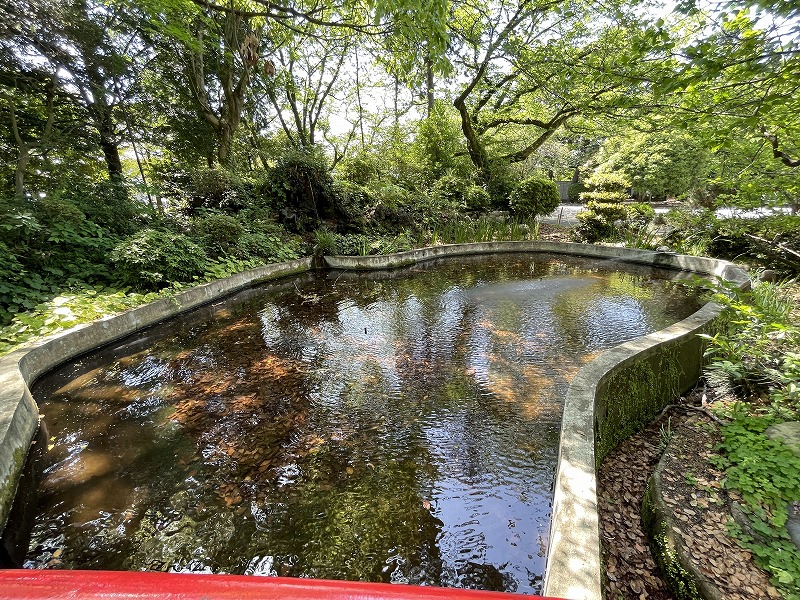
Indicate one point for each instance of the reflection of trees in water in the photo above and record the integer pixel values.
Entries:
(321, 415)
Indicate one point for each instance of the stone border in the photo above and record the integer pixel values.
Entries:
(573, 561)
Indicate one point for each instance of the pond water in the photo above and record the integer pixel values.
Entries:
(396, 426)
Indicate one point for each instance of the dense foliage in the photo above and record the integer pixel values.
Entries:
(756, 357)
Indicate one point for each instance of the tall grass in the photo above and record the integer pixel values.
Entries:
(484, 229)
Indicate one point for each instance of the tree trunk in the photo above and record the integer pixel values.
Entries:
(110, 148)
(429, 84)
(23, 158)
(225, 141)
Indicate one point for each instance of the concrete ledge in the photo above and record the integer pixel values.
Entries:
(592, 410)
(19, 415)
(608, 400)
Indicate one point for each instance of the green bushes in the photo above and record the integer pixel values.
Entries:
(217, 232)
(607, 220)
(269, 247)
(110, 206)
(218, 188)
(501, 180)
(153, 258)
(302, 184)
(477, 199)
(755, 358)
(768, 241)
(534, 197)
(574, 192)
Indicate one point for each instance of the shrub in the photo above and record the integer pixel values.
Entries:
(610, 211)
(216, 187)
(534, 197)
(51, 209)
(362, 169)
(153, 258)
(393, 206)
(501, 180)
(110, 206)
(606, 187)
(640, 214)
(603, 220)
(732, 238)
(217, 232)
(18, 291)
(477, 199)
(303, 182)
(449, 189)
(574, 192)
(352, 205)
(267, 246)
(592, 227)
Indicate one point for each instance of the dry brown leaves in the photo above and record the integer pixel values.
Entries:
(631, 571)
(692, 489)
(691, 486)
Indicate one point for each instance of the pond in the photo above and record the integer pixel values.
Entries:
(397, 426)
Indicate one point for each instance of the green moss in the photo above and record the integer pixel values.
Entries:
(678, 579)
(8, 488)
(633, 395)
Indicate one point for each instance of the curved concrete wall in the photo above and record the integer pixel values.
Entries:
(592, 411)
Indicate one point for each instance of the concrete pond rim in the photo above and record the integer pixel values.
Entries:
(623, 387)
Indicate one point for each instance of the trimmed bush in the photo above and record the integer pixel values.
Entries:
(606, 187)
(477, 199)
(152, 258)
(592, 227)
(610, 211)
(534, 197)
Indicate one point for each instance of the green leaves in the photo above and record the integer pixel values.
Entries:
(766, 473)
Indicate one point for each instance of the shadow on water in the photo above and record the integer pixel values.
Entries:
(396, 426)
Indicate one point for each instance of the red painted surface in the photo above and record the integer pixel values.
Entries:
(18, 584)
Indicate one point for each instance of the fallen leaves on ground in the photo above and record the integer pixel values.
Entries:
(691, 486)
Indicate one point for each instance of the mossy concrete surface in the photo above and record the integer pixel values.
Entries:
(19, 415)
(680, 572)
(608, 400)
(573, 562)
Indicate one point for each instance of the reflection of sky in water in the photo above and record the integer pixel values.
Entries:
(401, 427)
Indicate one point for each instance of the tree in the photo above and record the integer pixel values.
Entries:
(27, 103)
(85, 43)
(737, 74)
(659, 164)
(310, 69)
(220, 52)
(533, 66)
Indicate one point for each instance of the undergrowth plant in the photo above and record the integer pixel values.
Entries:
(766, 474)
(755, 354)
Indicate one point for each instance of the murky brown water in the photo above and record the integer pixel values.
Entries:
(398, 426)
